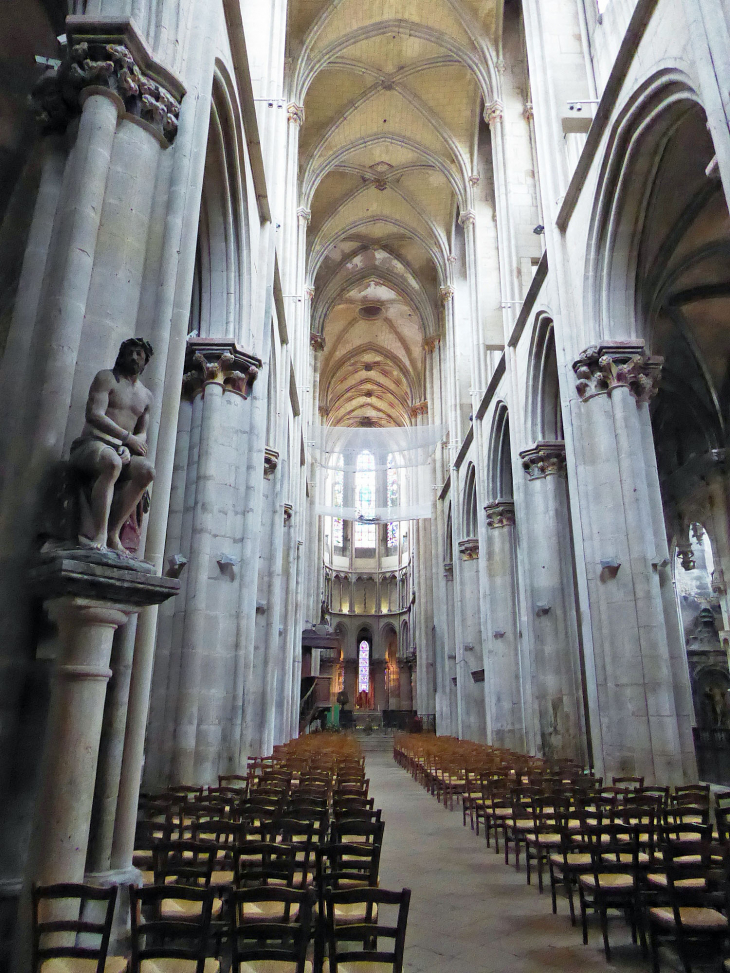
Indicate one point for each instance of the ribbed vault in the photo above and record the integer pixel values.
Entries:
(392, 92)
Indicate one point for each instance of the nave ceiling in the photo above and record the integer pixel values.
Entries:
(392, 92)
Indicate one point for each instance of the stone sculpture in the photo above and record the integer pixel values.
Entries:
(111, 451)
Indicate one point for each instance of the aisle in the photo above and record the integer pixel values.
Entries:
(469, 912)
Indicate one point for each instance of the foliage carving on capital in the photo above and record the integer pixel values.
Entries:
(271, 461)
(469, 549)
(210, 361)
(419, 409)
(446, 294)
(304, 214)
(528, 112)
(493, 113)
(468, 218)
(317, 341)
(543, 459)
(430, 343)
(500, 513)
(601, 369)
(295, 113)
(111, 57)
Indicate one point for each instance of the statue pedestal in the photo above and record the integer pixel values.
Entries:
(88, 598)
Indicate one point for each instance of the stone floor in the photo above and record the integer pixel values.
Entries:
(470, 913)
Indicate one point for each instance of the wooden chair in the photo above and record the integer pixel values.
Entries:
(184, 864)
(181, 945)
(270, 945)
(696, 910)
(613, 882)
(64, 921)
(369, 931)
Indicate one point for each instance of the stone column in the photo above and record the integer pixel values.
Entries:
(88, 600)
(635, 720)
(220, 368)
(500, 644)
(555, 662)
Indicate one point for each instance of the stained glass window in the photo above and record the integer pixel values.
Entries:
(392, 484)
(363, 671)
(365, 499)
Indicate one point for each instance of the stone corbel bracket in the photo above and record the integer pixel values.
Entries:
(110, 55)
(469, 549)
(543, 459)
(601, 369)
(271, 461)
(500, 513)
(221, 362)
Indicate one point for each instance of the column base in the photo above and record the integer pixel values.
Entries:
(119, 941)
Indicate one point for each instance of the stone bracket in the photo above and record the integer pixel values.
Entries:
(219, 361)
(543, 459)
(110, 55)
(59, 575)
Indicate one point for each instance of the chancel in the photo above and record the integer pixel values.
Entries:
(365, 372)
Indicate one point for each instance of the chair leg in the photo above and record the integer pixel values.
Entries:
(604, 929)
(553, 895)
(539, 869)
(583, 915)
(569, 891)
(654, 950)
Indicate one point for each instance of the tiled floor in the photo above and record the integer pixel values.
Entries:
(470, 913)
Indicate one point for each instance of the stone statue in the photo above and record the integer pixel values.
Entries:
(112, 448)
(717, 698)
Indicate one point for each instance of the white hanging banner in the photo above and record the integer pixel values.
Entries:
(375, 476)
(341, 447)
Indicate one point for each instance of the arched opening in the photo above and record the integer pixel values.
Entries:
(219, 306)
(470, 525)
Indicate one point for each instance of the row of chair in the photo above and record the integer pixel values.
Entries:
(658, 855)
(253, 872)
(268, 930)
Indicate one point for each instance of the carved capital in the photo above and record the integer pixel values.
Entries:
(309, 292)
(295, 113)
(446, 294)
(528, 112)
(304, 215)
(419, 409)
(288, 511)
(474, 179)
(316, 341)
(429, 344)
(500, 513)
(543, 459)
(468, 217)
(271, 461)
(469, 549)
(493, 113)
(448, 569)
(110, 56)
(601, 369)
(222, 362)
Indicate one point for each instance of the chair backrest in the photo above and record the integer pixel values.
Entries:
(370, 931)
(187, 862)
(259, 934)
(341, 864)
(263, 862)
(155, 937)
(61, 913)
(357, 830)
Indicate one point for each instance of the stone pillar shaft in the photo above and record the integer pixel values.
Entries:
(635, 729)
(555, 676)
(503, 679)
(70, 265)
(61, 833)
